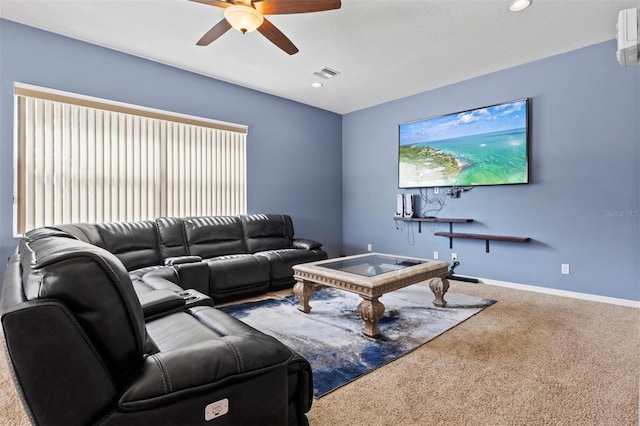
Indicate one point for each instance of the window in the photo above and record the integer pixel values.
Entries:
(81, 159)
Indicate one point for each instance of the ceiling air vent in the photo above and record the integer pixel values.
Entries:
(326, 73)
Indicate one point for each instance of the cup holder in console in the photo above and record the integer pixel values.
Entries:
(189, 296)
(193, 297)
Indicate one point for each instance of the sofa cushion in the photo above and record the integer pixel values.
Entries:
(267, 231)
(237, 275)
(172, 237)
(46, 232)
(86, 232)
(202, 324)
(203, 348)
(212, 236)
(134, 243)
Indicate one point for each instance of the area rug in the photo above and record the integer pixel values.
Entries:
(330, 335)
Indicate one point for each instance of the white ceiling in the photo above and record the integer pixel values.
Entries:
(384, 49)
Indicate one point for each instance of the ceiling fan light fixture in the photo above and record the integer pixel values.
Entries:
(519, 5)
(243, 18)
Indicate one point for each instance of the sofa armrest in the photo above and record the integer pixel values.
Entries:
(305, 244)
(300, 384)
(43, 341)
(194, 276)
(179, 260)
(160, 301)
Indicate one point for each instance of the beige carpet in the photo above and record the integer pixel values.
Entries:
(530, 359)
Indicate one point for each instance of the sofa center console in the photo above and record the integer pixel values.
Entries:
(160, 302)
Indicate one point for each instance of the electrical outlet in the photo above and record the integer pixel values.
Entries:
(369, 247)
(564, 268)
(435, 255)
(454, 257)
(436, 190)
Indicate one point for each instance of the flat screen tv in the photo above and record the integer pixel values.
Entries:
(482, 146)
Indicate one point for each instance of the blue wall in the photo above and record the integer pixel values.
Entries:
(294, 151)
(580, 208)
(337, 176)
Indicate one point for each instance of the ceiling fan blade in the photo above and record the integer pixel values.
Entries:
(215, 32)
(279, 7)
(214, 3)
(276, 37)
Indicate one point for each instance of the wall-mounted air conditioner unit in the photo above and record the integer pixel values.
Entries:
(628, 35)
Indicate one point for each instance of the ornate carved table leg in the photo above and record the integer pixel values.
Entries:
(439, 287)
(303, 291)
(371, 310)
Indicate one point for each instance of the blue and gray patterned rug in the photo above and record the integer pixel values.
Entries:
(330, 335)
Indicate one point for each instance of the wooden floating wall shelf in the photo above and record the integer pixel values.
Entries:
(451, 221)
(486, 238)
(451, 235)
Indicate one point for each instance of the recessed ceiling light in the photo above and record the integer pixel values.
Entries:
(519, 5)
(316, 84)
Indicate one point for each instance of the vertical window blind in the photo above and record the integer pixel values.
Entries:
(82, 159)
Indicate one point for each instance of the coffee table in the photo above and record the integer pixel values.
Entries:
(370, 275)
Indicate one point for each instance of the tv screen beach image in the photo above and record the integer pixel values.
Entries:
(484, 146)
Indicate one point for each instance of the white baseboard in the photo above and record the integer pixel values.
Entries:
(564, 293)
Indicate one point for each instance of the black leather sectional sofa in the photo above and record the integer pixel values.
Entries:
(224, 257)
(114, 323)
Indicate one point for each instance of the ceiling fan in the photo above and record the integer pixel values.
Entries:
(248, 15)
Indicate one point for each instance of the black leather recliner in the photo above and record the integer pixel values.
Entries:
(81, 352)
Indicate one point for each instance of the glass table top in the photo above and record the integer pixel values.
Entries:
(372, 265)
